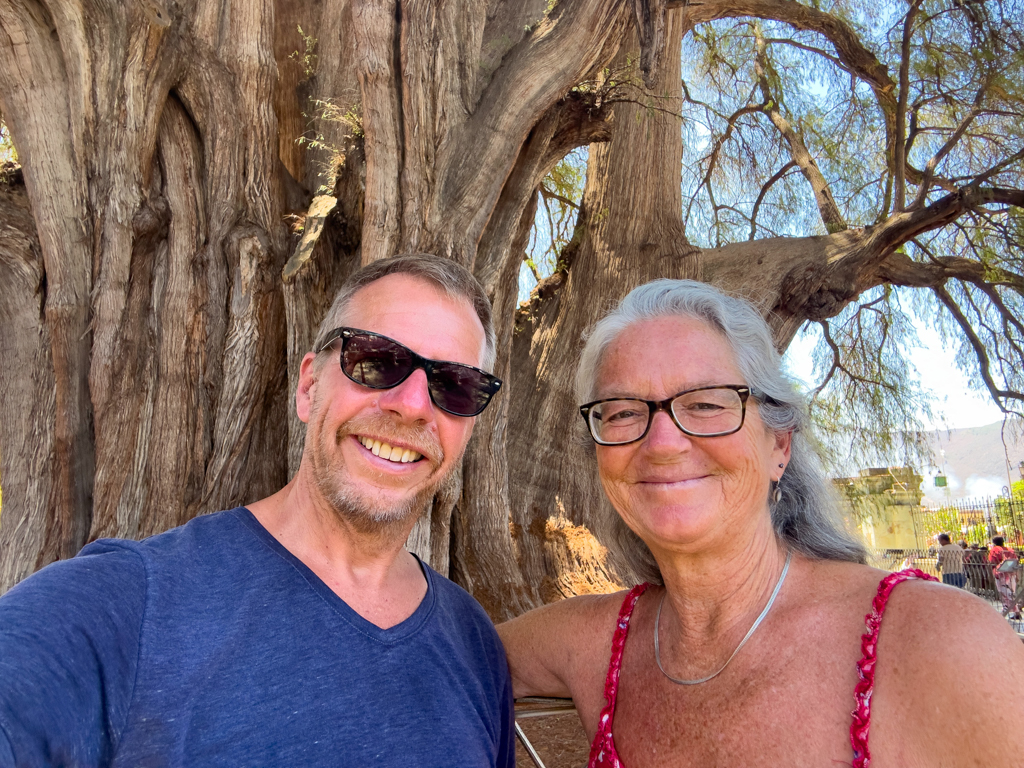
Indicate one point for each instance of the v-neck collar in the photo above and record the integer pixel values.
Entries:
(389, 636)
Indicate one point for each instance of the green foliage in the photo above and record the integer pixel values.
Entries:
(559, 197)
(332, 156)
(964, 125)
(869, 401)
(979, 522)
(8, 154)
(306, 57)
(950, 520)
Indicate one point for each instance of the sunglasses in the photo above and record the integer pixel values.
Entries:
(378, 362)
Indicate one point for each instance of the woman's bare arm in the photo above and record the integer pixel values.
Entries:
(555, 649)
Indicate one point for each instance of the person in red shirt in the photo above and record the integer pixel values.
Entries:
(1006, 580)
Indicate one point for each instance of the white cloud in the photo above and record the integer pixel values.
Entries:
(983, 486)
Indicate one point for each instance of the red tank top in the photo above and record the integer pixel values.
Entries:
(602, 750)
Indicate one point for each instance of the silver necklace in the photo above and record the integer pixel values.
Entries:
(757, 623)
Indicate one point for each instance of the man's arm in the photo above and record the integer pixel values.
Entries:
(69, 646)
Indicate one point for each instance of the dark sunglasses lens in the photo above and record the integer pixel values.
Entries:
(374, 361)
(459, 389)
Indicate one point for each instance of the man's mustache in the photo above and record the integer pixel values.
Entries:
(379, 426)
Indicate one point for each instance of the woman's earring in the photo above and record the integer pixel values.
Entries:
(777, 493)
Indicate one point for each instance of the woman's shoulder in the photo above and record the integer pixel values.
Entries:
(943, 652)
(918, 606)
(950, 626)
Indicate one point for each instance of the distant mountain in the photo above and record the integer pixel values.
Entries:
(975, 461)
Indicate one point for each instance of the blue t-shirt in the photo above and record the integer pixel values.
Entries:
(211, 644)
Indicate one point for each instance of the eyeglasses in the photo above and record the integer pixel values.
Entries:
(701, 412)
(378, 362)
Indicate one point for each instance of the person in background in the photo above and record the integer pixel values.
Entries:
(976, 569)
(1000, 557)
(951, 562)
(745, 642)
(990, 582)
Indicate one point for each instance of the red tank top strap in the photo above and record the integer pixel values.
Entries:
(866, 666)
(602, 749)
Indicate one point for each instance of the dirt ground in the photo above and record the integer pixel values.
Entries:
(559, 740)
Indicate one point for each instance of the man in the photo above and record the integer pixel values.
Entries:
(974, 568)
(951, 562)
(298, 630)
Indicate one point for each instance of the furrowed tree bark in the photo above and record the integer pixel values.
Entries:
(27, 390)
(160, 230)
(550, 462)
(31, 63)
(200, 176)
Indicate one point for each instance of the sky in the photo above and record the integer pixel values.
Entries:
(956, 405)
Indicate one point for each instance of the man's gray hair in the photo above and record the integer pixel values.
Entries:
(451, 278)
(807, 517)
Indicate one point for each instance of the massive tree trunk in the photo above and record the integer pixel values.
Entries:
(175, 243)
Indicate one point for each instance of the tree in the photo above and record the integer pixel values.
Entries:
(200, 175)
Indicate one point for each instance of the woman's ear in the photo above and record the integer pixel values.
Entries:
(782, 452)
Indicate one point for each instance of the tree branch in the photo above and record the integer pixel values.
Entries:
(946, 148)
(810, 49)
(582, 120)
(984, 362)
(716, 150)
(854, 55)
(831, 216)
(900, 269)
(533, 76)
(903, 227)
(548, 194)
(764, 191)
(836, 358)
(900, 157)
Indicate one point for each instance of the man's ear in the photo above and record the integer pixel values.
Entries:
(304, 392)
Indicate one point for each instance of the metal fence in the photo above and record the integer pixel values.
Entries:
(980, 580)
(974, 521)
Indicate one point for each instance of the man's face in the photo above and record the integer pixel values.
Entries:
(351, 427)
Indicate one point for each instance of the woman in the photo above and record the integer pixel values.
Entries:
(1006, 580)
(744, 649)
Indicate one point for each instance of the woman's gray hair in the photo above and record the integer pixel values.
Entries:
(807, 517)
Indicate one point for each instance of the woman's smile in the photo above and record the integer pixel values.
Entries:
(671, 486)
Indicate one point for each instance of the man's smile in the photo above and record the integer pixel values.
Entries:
(393, 453)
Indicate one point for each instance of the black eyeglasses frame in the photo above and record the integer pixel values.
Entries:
(653, 406)
(491, 383)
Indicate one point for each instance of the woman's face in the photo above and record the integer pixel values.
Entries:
(675, 491)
